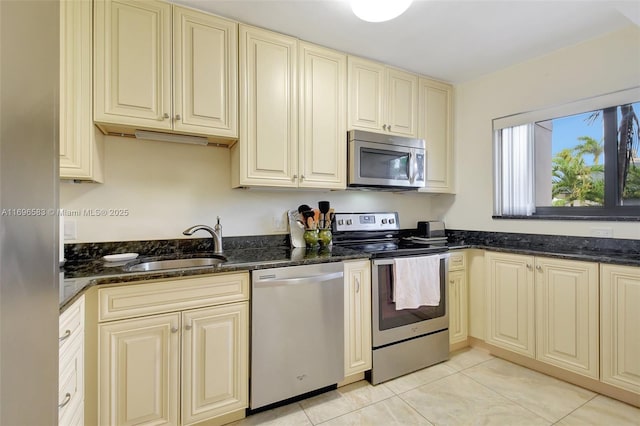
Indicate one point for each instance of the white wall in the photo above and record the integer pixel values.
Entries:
(168, 187)
(592, 68)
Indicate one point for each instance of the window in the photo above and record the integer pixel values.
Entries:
(559, 163)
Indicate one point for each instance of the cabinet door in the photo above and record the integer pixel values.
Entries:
(435, 127)
(401, 107)
(323, 127)
(457, 306)
(619, 319)
(366, 94)
(138, 371)
(133, 63)
(215, 362)
(357, 314)
(205, 55)
(567, 315)
(510, 302)
(268, 145)
(81, 143)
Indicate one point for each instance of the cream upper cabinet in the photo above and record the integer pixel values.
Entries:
(458, 304)
(205, 73)
(357, 314)
(567, 315)
(174, 352)
(322, 86)
(81, 143)
(166, 68)
(381, 98)
(267, 152)
(619, 320)
(435, 116)
(510, 302)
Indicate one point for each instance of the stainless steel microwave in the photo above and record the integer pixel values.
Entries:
(384, 161)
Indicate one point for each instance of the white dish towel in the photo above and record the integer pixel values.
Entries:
(416, 281)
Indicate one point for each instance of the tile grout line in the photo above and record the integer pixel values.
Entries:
(577, 408)
(509, 399)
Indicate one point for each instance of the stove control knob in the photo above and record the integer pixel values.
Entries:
(392, 221)
(340, 222)
(384, 221)
(349, 222)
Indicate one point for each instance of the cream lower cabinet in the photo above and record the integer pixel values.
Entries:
(457, 301)
(357, 314)
(71, 365)
(435, 126)
(180, 363)
(619, 325)
(544, 308)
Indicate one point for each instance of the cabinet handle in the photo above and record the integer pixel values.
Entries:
(67, 398)
(528, 266)
(301, 178)
(174, 329)
(388, 127)
(65, 336)
(178, 117)
(165, 116)
(452, 282)
(294, 177)
(384, 127)
(539, 268)
(188, 327)
(357, 285)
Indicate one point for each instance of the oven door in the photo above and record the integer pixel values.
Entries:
(391, 325)
(377, 164)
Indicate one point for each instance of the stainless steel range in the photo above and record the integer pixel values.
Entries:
(404, 340)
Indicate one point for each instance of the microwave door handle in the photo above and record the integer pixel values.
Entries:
(415, 169)
(410, 167)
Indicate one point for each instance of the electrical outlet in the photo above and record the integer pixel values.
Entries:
(70, 229)
(602, 232)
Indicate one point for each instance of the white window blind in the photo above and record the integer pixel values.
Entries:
(514, 171)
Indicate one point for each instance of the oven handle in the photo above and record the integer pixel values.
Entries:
(389, 260)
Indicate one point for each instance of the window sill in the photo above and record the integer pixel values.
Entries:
(573, 217)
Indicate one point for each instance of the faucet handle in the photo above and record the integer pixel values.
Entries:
(218, 226)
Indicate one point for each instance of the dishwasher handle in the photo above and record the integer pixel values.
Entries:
(311, 279)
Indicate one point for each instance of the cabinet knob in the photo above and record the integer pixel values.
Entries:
(165, 116)
(174, 329)
(294, 177)
(188, 327)
(388, 127)
(452, 282)
(384, 127)
(178, 117)
(301, 178)
(528, 266)
(539, 268)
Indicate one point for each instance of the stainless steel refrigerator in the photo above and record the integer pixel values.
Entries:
(29, 85)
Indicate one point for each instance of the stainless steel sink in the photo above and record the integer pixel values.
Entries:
(160, 265)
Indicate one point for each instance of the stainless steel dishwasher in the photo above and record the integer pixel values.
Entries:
(297, 331)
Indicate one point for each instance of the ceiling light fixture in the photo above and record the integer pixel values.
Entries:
(379, 10)
(168, 137)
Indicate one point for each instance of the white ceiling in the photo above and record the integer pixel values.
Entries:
(451, 40)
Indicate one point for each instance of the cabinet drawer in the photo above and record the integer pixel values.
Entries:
(70, 323)
(457, 260)
(71, 381)
(167, 296)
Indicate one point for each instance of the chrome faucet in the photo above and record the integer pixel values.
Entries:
(216, 234)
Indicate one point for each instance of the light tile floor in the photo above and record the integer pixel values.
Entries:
(473, 387)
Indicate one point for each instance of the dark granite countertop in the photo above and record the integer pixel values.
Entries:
(81, 274)
(248, 253)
